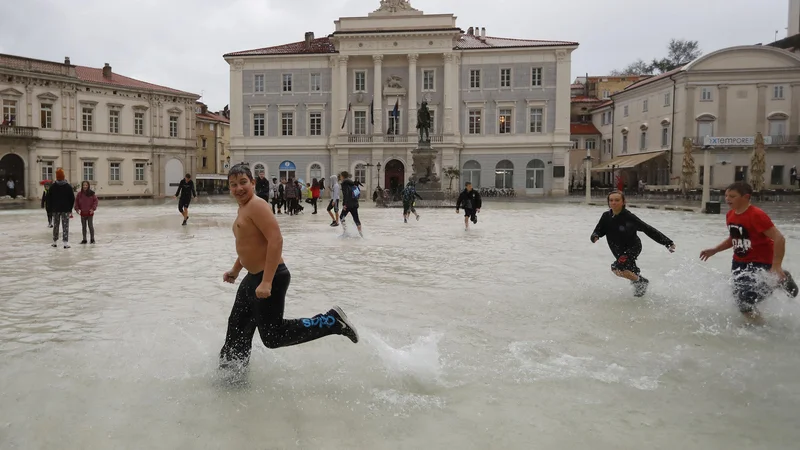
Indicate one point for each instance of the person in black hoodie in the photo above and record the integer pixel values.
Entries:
(262, 187)
(186, 192)
(620, 228)
(46, 204)
(62, 199)
(470, 199)
(350, 194)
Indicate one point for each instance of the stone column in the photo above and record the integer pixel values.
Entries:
(690, 124)
(28, 108)
(761, 110)
(377, 94)
(31, 175)
(342, 94)
(411, 107)
(794, 118)
(455, 97)
(448, 93)
(722, 120)
(562, 99)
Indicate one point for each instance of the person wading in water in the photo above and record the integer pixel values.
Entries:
(261, 297)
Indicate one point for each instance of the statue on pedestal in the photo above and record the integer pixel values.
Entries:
(424, 122)
(395, 6)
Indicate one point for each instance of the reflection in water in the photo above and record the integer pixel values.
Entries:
(512, 333)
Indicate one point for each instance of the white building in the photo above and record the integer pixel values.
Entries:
(500, 106)
(733, 92)
(127, 137)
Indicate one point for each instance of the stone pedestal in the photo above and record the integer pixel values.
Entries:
(424, 173)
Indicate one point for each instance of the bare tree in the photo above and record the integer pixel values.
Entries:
(679, 53)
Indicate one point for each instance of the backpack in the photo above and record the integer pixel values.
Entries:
(356, 192)
(408, 194)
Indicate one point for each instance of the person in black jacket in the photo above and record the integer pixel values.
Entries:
(46, 204)
(620, 226)
(350, 194)
(62, 199)
(470, 199)
(262, 187)
(187, 193)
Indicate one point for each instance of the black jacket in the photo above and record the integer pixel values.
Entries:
(46, 201)
(262, 187)
(469, 200)
(62, 197)
(186, 190)
(620, 232)
(348, 199)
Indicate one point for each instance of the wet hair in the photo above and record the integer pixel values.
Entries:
(188, 175)
(315, 183)
(741, 187)
(240, 169)
(620, 193)
(345, 174)
(468, 183)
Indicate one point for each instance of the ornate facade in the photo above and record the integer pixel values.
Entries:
(348, 101)
(127, 137)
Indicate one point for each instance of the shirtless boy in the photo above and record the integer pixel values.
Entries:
(261, 296)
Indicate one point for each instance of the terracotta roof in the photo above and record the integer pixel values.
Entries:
(652, 79)
(619, 77)
(583, 128)
(471, 42)
(603, 105)
(318, 46)
(577, 85)
(214, 117)
(585, 100)
(93, 75)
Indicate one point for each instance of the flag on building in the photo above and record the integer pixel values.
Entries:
(346, 114)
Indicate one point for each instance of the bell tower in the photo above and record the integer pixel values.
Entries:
(794, 18)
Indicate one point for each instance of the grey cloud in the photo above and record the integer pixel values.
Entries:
(180, 43)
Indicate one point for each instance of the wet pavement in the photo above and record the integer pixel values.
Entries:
(513, 335)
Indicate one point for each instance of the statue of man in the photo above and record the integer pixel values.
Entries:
(424, 122)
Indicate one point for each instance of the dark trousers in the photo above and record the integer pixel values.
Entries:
(354, 213)
(61, 218)
(250, 313)
(87, 221)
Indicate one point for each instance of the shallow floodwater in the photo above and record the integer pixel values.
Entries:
(514, 335)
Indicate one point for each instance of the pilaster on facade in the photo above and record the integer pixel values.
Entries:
(377, 93)
(342, 91)
(412, 93)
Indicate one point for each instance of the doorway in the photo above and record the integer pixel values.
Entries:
(12, 168)
(394, 176)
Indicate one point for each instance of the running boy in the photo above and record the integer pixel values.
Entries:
(261, 296)
(186, 192)
(471, 201)
(758, 247)
(350, 196)
(620, 228)
(409, 199)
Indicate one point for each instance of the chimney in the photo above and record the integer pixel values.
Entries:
(309, 38)
(469, 31)
(204, 108)
(66, 60)
(483, 33)
(107, 71)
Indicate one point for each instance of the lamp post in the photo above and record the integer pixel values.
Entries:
(588, 163)
(706, 177)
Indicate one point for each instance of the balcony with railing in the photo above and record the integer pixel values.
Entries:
(769, 141)
(389, 139)
(16, 132)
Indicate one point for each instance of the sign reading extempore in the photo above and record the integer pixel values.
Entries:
(734, 141)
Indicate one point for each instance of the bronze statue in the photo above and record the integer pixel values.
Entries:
(424, 122)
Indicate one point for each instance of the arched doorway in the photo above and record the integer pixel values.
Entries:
(173, 174)
(12, 168)
(394, 176)
(286, 170)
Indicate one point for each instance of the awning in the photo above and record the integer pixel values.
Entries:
(627, 161)
(210, 176)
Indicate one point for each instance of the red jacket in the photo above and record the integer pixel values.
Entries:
(315, 192)
(85, 204)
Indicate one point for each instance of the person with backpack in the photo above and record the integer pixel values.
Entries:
(409, 199)
(291, 196)
(351, 192)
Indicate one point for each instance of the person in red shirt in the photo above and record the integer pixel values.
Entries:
(758, 247)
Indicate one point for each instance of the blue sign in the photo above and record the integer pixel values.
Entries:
(287, 165)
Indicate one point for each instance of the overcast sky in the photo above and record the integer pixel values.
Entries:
(180, 43)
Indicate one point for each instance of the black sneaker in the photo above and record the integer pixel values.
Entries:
(184, 222)
(789, 285)
(54, 244)
(640, 286)
(334, 224)
(348, 330)
(474, 219)
(92, 241)
(83, 242)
